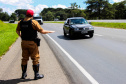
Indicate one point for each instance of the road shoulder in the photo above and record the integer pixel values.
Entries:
(10, 69)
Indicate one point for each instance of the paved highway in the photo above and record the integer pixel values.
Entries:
(103, 56)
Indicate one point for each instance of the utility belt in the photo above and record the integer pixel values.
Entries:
(36, 40)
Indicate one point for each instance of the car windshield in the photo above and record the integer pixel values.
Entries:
(37, 17)
(78, 21)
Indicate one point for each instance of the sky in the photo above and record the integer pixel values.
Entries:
(37, 6)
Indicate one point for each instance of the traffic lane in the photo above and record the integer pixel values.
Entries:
(103, 63)
(99, 32)
(111, 33)
(103, 58)
(106, 65)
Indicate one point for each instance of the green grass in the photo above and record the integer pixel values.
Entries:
(110, 25)
(99, 24)
(7, 36)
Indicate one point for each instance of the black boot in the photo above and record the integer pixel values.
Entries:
(36, 72)
(24, 74)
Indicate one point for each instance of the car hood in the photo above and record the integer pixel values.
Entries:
(81, 25)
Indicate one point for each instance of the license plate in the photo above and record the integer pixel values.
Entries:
(83, 31)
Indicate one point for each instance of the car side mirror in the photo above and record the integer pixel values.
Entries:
(89, 22)
(66, 24)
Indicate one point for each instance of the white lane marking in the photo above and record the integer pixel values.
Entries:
(90, 78)
(98, 35)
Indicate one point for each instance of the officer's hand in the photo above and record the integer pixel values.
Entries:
(51, 31)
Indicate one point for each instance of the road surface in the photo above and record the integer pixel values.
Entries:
(103, 56)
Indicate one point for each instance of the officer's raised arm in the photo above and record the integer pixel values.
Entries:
(46, 31)
(38, 27)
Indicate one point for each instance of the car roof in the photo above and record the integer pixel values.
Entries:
(76, 18)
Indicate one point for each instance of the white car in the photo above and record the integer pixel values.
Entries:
(39, 19)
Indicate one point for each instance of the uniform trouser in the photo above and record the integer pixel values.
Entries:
(30, 49)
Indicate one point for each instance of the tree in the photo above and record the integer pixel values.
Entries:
(1, 15)
(13, 16)
(5, 17)
(82, 14)
(21, 16)
(108, 12)
(58, 17)
(1, 10)
(49, 16)
(18, 12)
(95, 7)
(62, 15)
(74, 5)
(120, 10)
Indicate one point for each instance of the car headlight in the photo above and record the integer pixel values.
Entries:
(91, 28)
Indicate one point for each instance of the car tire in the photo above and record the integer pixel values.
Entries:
(91, 35)
(64, 33)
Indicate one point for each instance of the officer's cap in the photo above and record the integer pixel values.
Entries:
(29, 13)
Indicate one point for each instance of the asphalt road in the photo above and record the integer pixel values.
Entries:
(103, 56)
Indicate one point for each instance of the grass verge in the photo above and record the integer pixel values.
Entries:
(7, 36)
(99, 24)
(110, 25)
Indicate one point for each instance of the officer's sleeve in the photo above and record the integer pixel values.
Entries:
(36, 26)
(18, 27)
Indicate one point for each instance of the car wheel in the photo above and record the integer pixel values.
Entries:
(91, 35)
(64, 33)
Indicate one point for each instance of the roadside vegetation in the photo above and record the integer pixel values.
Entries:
(99, 24)
(110, 25)
(98, 9)
(7, 36)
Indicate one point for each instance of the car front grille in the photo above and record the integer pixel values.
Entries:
(84, 29)
(80, 28)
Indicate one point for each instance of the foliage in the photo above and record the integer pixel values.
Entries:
(74, 6)
(20, 11)
(108, 12)
(21, 16)
(1, 10)
(111, 25)
(49, 16)
(120, 10)
(13, 16)
(61, 14)
(95, 7)
(4, 16)
(102, 9)
(7, 36)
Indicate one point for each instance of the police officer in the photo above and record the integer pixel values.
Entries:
(27, 29)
